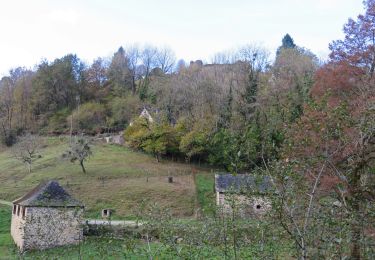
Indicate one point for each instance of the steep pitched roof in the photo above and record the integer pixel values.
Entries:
(242, 183)
(146, 115)
(48, 194)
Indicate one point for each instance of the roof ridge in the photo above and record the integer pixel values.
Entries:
(49, 194)
(226, 182)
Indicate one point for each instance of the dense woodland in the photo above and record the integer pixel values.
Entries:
(234, 109)
(310, 124)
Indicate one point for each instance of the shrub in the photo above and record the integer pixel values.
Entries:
(195, 143)
(156, 138)
(122, 110)
(137, 132)
(8, 137)
(162, 140)
(90, 117)
(57, 122)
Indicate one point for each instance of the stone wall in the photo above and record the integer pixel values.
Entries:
(43, 228)
(17, 226)
(245, 206)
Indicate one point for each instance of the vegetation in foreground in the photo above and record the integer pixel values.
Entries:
(7, 248)
(164, 238)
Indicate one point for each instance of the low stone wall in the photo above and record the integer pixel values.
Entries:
(116, 228)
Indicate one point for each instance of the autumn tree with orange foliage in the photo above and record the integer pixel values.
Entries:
(333, 146)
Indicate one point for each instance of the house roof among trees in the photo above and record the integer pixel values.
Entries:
(146, 115)
(242, 183)
(48, 194)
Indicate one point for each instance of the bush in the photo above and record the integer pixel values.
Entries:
(156, 138)
(223, 149)
(58, 123)
(8, 137)
(90, 117)
(195, 143)
(137, 132)
(162, 140)
(122, 110)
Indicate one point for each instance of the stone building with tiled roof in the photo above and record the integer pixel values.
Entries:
(247, 193)
(46, 217)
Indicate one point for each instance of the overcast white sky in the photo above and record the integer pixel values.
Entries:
(194, 29)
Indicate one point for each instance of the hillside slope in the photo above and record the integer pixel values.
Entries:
(116, 178)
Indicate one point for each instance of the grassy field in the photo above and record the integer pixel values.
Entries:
(205, 193)
(116, 178)
(7, 249)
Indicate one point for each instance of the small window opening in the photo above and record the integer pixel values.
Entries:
(18, 210)
(23, 212)
(14, 209)
(258, 206)
(106, 213)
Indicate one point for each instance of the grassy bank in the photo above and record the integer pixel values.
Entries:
(116, 178)
(7, 249)
(205, 193)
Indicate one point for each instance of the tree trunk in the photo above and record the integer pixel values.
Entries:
(356, 245)
(82, 166)
(355, 253)
(133, 85)
(354, 201)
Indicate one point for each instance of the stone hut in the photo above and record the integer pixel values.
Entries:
(146, 114)
(46, 217)
(248, 194)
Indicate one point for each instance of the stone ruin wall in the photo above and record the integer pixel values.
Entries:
(43, 228)
(254, 206)
(17, 229)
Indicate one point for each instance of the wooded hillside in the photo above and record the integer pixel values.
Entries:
(308, 124)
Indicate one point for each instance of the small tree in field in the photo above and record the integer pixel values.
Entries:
(27, 150)
(79, 150)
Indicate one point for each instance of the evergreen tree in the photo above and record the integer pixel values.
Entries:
(286, 43)
(226, 113)
(119, 73)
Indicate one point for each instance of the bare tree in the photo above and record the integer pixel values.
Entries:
(148, 58)
(133, 54)
(27, 150)
(165, 59)
(79, 150)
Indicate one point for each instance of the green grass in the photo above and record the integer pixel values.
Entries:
(205, 192)
(7, 248)
(131, 247)
(116, 178)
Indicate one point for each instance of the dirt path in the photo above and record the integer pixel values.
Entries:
(5, 202)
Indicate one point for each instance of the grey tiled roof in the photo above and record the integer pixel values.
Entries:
(48, 194)
(242, 183)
